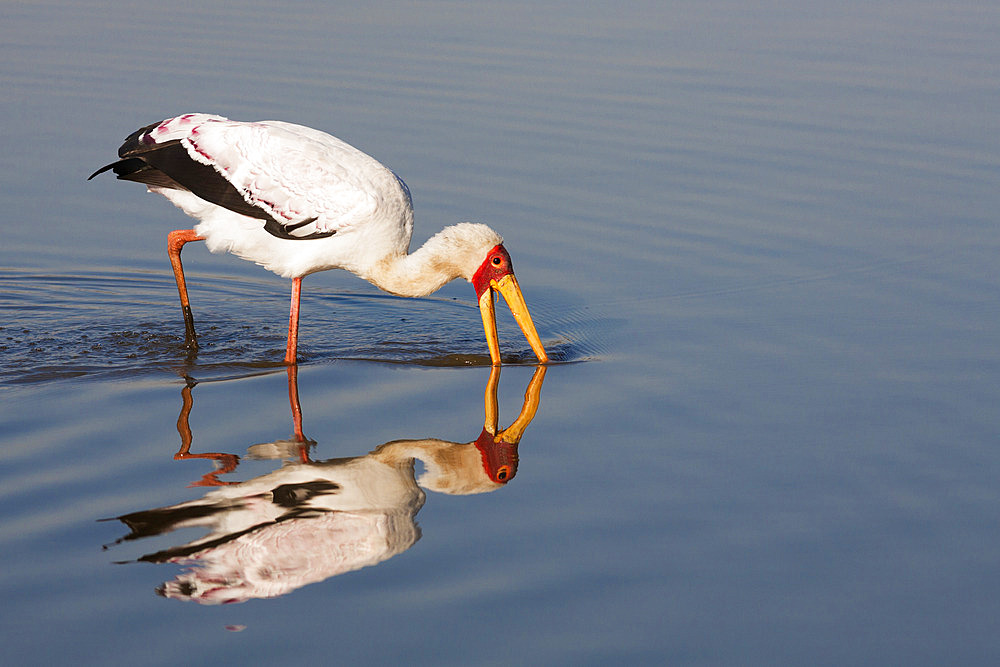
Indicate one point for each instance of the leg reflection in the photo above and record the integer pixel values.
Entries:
(226, 462)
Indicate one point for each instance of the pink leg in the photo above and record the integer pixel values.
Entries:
(175, 242)
(293, 322)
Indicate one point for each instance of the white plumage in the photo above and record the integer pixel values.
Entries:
(293, 173)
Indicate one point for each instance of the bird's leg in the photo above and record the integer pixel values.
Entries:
(293, 322)
(175, 242)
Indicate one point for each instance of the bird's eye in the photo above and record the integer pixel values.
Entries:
(497, 261)
(502, 473)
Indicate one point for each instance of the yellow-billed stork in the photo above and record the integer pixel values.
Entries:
(296, 201)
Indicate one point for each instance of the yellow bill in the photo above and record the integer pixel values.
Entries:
(511, 291)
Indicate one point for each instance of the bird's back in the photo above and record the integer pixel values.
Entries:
(294, 199)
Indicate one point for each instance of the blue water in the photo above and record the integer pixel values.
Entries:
(759, 241)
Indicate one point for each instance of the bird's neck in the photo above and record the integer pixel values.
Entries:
(419, 273)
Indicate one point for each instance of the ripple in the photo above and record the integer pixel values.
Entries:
(97, 323)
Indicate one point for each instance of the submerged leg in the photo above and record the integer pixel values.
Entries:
(293, 322)
(175, 242)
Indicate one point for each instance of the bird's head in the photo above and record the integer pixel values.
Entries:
(496, 274)
(475, 252)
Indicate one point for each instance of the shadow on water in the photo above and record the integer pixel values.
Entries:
(307, 521)
(112, 325)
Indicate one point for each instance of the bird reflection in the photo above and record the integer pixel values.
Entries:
(311, 520)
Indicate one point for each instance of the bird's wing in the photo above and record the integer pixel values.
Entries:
(303, 183)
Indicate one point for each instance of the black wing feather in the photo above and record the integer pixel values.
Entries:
(168, 165)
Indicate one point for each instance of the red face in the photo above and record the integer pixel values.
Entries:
(494, 267)
(499, 457)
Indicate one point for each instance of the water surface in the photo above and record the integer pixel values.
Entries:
(760, 243)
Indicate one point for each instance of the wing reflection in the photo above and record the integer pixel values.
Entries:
(311, 520)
